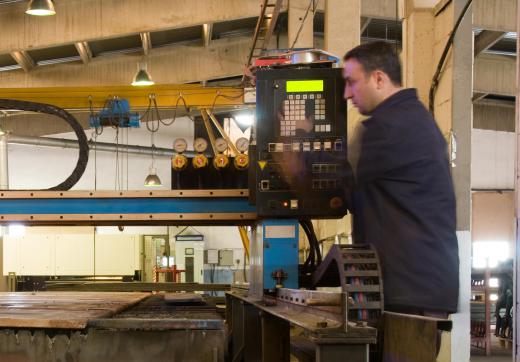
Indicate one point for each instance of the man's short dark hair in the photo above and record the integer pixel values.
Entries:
(378, 55)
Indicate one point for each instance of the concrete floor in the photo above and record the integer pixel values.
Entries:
(498, 353)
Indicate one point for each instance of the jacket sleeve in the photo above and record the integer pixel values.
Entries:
(374, 158)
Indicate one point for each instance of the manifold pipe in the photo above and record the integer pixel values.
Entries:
(4, 173)
(98, 146)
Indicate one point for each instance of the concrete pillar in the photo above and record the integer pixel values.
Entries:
(4, 185)
(461, 124)
(340, 36)
(516, 307)
(426, 30)
(342, 26)
(417, 52)
(303, 38)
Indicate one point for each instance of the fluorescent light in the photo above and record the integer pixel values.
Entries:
(16, 230)
(245, 119)
(490, 253)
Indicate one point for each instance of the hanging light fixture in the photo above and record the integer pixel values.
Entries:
(41, 8)
(152, 180)
(142, 77)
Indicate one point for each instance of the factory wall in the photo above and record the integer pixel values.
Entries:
(33, 167)
(493, 161)
(218, 238)
(493, 221)
(67, 251)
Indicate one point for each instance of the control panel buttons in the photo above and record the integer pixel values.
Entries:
(338, 145)
(327, 145)
(264, 185)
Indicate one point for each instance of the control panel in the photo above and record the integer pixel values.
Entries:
(301, 156)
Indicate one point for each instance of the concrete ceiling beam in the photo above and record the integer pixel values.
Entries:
(84, 51)
(494, 74)
(146, 42)
(486, 39)
(24, 60)
(223, 58)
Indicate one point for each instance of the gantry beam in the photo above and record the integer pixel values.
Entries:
(176, 207)
(165, 95)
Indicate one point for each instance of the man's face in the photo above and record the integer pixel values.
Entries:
(360, 87)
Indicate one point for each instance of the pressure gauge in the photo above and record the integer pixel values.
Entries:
(180, 145)
(200, 144)
(242, 144)
(221, 145)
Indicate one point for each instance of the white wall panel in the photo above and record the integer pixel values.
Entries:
(11, 257)
(493, 159)
(36, 255)
(74, 254)
(115, 254)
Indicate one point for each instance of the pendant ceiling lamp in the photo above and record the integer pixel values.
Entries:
(142, 77)
(41, 8)
(152, 180)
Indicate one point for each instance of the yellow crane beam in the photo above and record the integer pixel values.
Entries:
(167, 96)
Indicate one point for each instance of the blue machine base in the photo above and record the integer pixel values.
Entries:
(280, 248)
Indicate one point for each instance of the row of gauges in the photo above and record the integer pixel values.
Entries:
(220, 161)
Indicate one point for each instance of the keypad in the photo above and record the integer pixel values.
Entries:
(299, 106)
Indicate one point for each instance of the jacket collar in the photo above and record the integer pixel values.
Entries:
(398, 97)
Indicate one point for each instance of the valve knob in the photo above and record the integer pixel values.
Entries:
(220, 161)
(199, 161)
(241, 162)
(179, 162)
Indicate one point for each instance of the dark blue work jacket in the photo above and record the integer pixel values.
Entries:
(404, 204)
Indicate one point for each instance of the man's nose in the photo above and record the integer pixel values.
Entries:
(347, 94)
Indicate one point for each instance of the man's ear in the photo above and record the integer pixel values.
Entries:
(380, 77)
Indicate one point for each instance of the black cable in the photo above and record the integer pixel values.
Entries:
(435, 80)
(309, 230)
(316, 243)
(310, 262)
(81, 164)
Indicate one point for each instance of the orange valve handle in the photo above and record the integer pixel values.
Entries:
(199, 161)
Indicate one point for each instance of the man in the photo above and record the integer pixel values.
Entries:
(403, 202)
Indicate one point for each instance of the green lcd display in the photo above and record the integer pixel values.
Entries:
(299, 86)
